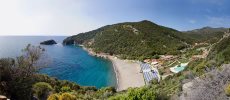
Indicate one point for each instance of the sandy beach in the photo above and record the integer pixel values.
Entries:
(127, 73)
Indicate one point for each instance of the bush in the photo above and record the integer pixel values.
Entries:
(53, 97)
(154, 81)
(143, 93)
(66, 89)
(156, 56)
(42, 90)
(67, 96)
(105, 92)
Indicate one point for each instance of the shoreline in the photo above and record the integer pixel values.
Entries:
(127, 72)
(116, 73)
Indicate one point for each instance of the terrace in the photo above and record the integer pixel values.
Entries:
(149, 73)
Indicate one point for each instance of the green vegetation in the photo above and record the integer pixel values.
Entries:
(221, 52)
(66, 89)
(207, 34)
(218, 55)
(67, 96)
(136, 40)
(155, 91)
(17, 75)
(19, 80)
(140, 40)
(136, 94)
(42, 90)
(62, 96)
(53, 97)
(83, 37)
(191, 52)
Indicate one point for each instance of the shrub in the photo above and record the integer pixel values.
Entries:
(67, 96)
(154, 81)
(66, 89)
(42, 90)
(53, 97)
(156, 56)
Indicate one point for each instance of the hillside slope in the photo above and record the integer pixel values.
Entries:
(133, 40)
(206, 34)
(220, 53)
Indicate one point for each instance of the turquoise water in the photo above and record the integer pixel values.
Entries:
(66, 62)
(179, 68)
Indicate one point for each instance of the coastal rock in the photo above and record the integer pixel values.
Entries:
(48, 42)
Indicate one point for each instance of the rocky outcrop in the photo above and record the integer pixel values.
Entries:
(48, 42)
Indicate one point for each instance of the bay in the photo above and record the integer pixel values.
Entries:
(65, 62)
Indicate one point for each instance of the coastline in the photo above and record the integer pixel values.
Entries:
(127, 71)
(116, 73)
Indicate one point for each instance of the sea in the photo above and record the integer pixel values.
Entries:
(70, 63)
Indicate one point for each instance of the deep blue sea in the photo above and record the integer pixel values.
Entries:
(66, 62)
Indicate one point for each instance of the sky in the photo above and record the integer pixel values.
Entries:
(70, 17)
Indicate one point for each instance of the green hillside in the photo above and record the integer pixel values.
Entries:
(221, 52)
(133, 40)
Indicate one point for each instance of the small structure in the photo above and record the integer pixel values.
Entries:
(149, 73)
(147, 60)
(154, 63)
(167, 57)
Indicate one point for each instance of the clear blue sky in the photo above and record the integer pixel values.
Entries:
(68, 17)
(178, 14)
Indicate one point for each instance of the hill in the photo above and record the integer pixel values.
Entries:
(133, 40)
(220, 53)
(206, 34)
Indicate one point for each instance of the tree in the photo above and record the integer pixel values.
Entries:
(17, 75)
(42, 90)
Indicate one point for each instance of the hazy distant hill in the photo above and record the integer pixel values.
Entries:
(207, 34)
(133, 39)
